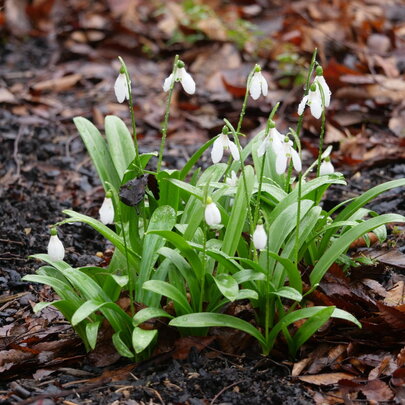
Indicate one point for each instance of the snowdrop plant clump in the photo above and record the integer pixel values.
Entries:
(201, 239)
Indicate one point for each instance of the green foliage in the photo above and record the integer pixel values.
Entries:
(167, 251)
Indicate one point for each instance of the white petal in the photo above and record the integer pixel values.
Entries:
(212, 214)
(234, 150)
(316, 104)
(186, 81)
(232, 180)
(56, 251)
(167, 83)
(259, 237)
(121, 88)
(255, 86)
(326, 168)
(261, 150)
(217, 150)
(107, 211)
(281, 163)
(302, 105)
(325, 88)
(264, 86)
(278, 145)
(274, 133)
(296, 160)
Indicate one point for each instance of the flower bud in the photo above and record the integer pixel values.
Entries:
(107, 211)
(212, 213)
(259, 237)
(56, 251)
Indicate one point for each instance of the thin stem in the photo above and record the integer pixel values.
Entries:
(130, 278)
(204, 261)
(167, 113)
(131, 112)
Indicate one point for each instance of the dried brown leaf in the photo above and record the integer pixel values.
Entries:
(326, 379)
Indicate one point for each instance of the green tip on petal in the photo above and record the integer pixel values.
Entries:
(319, 71)
(313, 87)
(54, 231)
(180, 64)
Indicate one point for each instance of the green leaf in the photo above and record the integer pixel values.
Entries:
(97, 148)
(248, 275)
(208, 319)
(288, 292)
(171, 292)
(120, 346)
(39, 306)
(120, 144)
(309, 328)
(163, 219)
(343, 242)
(92, 333)
(148, 313)
(228, 286)
(142, 338)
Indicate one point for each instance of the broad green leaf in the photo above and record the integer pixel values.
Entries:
(148, 313)
(120, 143)
(120, 346)
(39, 306)
(227, 285)
(142, 338)
(342, 243)
(208, 319)
(171, 292)
(188, 188)
(288, 292)
(248, 275)
(97, 148)
(92, 333)
(169, 194)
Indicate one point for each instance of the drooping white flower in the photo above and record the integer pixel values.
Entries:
(274, 137)
(314, 97)
(326, 167)
(258, 85)
(232, 180)
(121, 88)
(259, 237)
(284, 150)
(222, 143)
(212, 214)
(107, 211)
(183, 77)
(56, 251)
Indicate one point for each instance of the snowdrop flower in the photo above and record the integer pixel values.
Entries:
(326, 167)
(107, 210)
(222, 143)
(232, 180)
(259, 237)
(258, 84)
(121, 87)
(212, 214)
(314, 97)
(56, 251)
(284, 150)
(181, 76)
(274, 137)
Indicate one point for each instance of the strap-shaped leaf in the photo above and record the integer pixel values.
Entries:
(148, 313)
(142, 338)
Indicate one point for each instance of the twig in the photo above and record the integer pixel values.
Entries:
(223, 390)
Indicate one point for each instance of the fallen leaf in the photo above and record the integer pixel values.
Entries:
(396, 295)
(326, 379)
(377, 390)
(58, 84)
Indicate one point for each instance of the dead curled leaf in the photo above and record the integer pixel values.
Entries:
(326, 378)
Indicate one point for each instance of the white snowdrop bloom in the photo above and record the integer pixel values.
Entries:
(258, 85)
(212, 214)
(314, 97)
(259, 237)
(232, 180)
(56, 251)
(107, 211)
(326, 167)
(184, 78)
(220, 144)
(274, 136)
(284, 150)
(121, 88)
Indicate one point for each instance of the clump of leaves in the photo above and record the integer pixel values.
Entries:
(202, 239)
